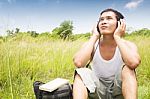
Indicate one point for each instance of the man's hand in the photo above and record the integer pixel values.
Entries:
(120, 31)
(95, 32)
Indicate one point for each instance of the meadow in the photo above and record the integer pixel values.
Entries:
(24, 60)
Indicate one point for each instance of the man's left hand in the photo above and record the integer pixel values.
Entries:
(120, 31)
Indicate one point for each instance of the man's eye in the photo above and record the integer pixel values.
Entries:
(101, 19)
(109, 18)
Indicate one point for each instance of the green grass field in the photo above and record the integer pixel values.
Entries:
(25, 60)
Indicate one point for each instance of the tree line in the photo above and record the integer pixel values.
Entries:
(65, 31)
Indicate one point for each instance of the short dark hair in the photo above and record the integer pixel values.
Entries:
(118, 14)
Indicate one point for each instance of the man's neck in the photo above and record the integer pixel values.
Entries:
(108, 40)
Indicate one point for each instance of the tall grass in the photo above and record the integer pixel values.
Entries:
(22, 61)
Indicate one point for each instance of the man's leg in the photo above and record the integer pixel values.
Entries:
(129, 83)
(79, 89)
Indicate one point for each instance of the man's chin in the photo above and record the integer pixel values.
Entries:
(105, 33)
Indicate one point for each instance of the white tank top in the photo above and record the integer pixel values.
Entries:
(106, 68)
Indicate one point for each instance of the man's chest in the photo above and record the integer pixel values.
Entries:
(107, 53)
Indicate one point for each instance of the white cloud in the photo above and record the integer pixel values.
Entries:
(133, 4)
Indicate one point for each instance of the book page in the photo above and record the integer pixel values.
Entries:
(54, 84)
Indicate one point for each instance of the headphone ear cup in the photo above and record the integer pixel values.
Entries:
(118, 19)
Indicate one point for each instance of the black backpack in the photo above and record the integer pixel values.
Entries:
(64, 92)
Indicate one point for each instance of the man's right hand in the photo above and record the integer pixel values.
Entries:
(95, 32)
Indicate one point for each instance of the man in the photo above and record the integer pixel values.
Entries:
(113, 66)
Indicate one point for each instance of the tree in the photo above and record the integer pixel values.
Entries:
(64, 30)
(10, 32)
(17, 30)
(143, 32)
(33, 33)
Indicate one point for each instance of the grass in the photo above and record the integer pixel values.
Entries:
(25, 60)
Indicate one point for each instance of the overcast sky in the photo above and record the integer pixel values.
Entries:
(45, 15)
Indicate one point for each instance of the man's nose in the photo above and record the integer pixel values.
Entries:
(104, 21)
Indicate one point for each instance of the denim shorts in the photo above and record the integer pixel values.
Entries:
(100, 88)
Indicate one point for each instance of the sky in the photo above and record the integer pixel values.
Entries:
(45, 15)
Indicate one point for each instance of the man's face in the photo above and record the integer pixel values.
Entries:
(108, 22)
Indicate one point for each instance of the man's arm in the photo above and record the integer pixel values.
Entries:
(128, 50)
(81, 58)
(129, 53)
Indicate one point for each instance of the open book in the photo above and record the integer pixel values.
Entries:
(54, 84)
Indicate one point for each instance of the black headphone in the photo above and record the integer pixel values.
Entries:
(98, 27)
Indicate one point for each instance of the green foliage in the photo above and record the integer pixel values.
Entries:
(80, 36)
(33, 33)
(12, 32)
(1, 39)
(47, 37)
(142, 32)
(64, 30)
(17, 30)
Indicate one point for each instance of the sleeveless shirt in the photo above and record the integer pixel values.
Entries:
(107, 69)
